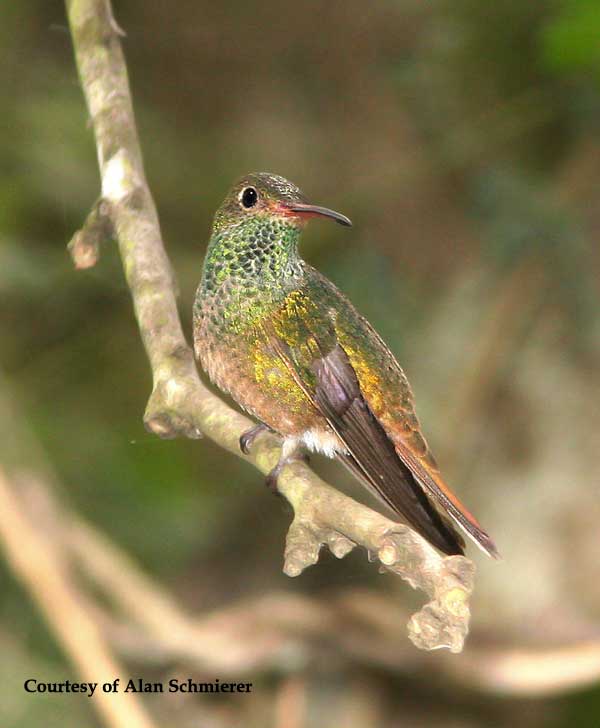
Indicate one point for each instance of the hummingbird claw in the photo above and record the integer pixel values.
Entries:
(250, 435)
(289, 453)
(271, 480)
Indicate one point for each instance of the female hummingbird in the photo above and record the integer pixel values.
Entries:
(293, 351)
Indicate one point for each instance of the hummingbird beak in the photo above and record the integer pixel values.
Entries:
(299, 208)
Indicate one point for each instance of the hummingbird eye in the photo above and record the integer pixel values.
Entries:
(249, 197)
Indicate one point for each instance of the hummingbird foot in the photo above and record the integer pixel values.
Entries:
(290, 452)
(250, 435)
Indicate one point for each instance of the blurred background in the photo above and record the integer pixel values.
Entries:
(462, 139)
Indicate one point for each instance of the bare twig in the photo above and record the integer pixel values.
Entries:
(181, 405)
(43, 573)
(85, 245)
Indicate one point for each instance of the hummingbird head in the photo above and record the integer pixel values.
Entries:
(263, 196)
(255, 236)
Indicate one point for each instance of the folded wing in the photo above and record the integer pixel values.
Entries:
(369, 453)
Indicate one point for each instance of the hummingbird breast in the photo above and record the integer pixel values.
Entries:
(234, 330)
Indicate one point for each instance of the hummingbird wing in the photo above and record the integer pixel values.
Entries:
(354, 382)
(391, 469)
(371, 455)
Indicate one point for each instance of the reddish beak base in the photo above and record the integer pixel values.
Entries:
(304, 211)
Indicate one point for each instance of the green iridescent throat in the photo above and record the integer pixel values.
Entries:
(262, 249)
(251, 264)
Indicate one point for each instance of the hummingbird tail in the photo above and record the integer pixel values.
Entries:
(463, 518)
(398, 490)
(440, 493)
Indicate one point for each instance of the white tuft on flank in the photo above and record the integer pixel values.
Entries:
(324, 442)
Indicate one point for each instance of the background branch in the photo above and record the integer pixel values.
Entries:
(38, 564)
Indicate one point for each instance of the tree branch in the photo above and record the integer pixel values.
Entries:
(38, 563)
(49, 548)
(180, 404)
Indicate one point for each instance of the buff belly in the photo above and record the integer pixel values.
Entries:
(263, 387)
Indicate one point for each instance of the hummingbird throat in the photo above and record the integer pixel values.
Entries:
(251, 265)
(259, 251)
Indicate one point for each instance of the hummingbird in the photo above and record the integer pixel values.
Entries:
(294, 353)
